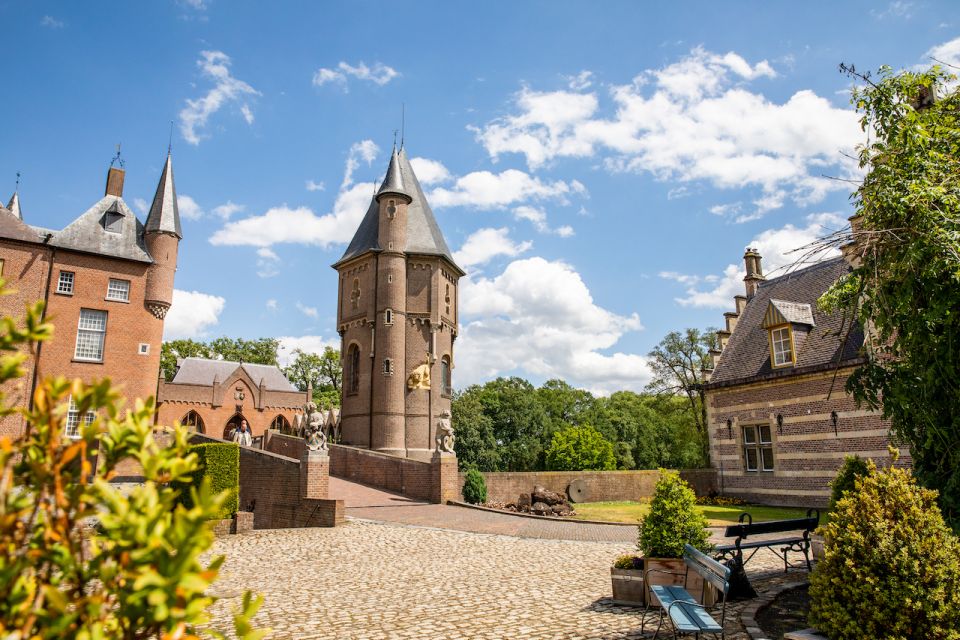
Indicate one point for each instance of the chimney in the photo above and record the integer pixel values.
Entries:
(115, 182)
(754, 272)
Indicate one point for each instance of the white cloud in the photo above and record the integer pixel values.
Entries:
(691, 121)
(227, 209)
(315, 186)
(539, 219)
(379, 74)
(191, 314)
(307, 344)
(268, 262)
(215, 66)
(581, 81)
(429, 171)
(485, 244)
(272, 304)
(365, 150)
(141, 205)
(780, 248)
(545, 312)
(52, 23)
(188, 207)
(896, 9)
(310, 312)
(948, 52)
(486, 190)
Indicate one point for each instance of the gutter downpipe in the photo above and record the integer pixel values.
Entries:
(43, 316)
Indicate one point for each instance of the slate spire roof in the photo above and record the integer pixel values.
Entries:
(164, 214)
(14, 205)
(423, 232)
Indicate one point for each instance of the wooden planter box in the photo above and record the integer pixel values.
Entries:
(627, 586)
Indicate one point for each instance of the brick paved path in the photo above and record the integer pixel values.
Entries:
(387, 580)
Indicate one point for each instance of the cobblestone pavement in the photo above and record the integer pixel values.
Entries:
(369, 580)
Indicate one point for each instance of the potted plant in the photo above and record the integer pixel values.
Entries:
(627, 577)
(673, 522)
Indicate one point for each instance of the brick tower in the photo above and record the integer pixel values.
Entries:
(162, 236)
(397, 318)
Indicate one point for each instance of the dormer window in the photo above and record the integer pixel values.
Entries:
(113, 219)
(781, 346)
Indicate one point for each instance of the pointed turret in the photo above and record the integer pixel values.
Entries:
(393, 182)
(14, 205)
(164, 214)
(162, 236)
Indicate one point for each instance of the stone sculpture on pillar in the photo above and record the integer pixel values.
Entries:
(445, 437)
(313, 427)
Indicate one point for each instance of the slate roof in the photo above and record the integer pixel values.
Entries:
(393, 182)
(747, 354)
(202, 371)
(164, 213)
(423, 232)
(14, 205)
(792, 312)
(87, 233)
(11, 226)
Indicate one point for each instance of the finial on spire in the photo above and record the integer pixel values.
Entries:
(170, 142)
(117, 158)
(395, 131)
(403, 122)
(17, 188)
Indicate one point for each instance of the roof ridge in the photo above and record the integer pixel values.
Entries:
(817, 265)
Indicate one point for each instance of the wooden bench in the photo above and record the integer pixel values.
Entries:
(686, 615)
(780, 546)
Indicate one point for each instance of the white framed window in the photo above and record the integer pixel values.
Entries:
(91, 332)
(65, 283)
(118, 290)
(144, 349)
(757, 448)
(387, 367)
(72, 428)
(781, 346)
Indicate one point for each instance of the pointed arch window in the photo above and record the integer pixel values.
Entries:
(193, 422)
(280, 424)
(353, 369)
(445, 378)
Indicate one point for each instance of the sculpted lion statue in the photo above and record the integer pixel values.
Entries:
(419, 378)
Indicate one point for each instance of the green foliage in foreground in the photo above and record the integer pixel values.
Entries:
(475, 487)
(891, 568)
(673, 520)
(219, 464)
(580, 449)
(853, 467)
(79, 559)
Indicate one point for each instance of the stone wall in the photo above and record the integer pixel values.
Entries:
(436, 481)
(602, 486)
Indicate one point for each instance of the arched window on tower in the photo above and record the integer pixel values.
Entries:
(446, 381)
(192, 421)
(353, 369)
(388, 317)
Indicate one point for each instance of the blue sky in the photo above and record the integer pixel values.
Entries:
(598, 168)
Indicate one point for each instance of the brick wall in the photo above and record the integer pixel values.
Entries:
(436, 481)
(602, 486)
(272, 484)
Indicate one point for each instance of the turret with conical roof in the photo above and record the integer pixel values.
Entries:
(397, 316)
(14, 204)
(162, 236)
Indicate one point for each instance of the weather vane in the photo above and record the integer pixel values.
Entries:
(117, 158)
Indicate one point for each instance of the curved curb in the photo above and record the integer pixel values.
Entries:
(467, 505)
(748, 616)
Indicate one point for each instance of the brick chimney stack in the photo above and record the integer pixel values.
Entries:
(754, 272)
(115, 182)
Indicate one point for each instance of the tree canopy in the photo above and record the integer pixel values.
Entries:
(320, 370)
(256, 351)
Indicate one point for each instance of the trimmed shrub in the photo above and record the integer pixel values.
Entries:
(220, 462)
(673, 520)
(580, 449)
(475, 487)
(853, 467)
(890, 568)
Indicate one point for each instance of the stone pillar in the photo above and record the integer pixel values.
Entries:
(445, 477)
(314, 474)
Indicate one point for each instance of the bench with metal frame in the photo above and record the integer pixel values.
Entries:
(686, 615)
(780, 546)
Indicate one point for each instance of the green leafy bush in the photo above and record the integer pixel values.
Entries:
(853, 467)
(219, 462)
(673, 520)
(891, 566)
(78, 558)
(580, 449)
(628, 561)
(475, 487)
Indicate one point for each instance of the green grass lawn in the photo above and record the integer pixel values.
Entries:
(632, 512)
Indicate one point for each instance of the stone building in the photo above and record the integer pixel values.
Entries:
(397, 318)
(213, 396)
(107, 280)
(780, 421)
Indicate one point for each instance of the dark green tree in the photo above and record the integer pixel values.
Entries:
(171, 351)
(580, 449)
(475, 444)
(321, 370)
(518, 421)
(905, 289)
(258, 351)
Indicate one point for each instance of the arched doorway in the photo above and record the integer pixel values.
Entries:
(232, 424)
(281, 424)
(193, 422)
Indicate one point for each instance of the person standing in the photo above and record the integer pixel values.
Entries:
(242, 436)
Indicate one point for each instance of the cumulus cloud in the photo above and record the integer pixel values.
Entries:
(691, 121)
(310, 312)
(315, 186)
(486, 190)
(272, 304)
(429, 171)
(268, 262)
(365, 150)
(188, 207)
(307, 344)
(214, 66)
(52, 23)
(947, 52)
(379, 74)
(485, 244)
(539, 219)
(545, 312)
(227, 209)
(191, 314)
(581, 81)
(779, 249)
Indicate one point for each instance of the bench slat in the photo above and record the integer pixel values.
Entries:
(697, 619)
(773, 526)
(709, 569)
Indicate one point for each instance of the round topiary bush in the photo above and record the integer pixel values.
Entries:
(673, 520)
(475, 488)
(890, 568)
(853, 467)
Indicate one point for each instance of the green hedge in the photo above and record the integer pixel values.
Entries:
(221, 463)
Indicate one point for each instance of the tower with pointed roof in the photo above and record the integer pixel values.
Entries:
(162, 236)
(397, 318)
